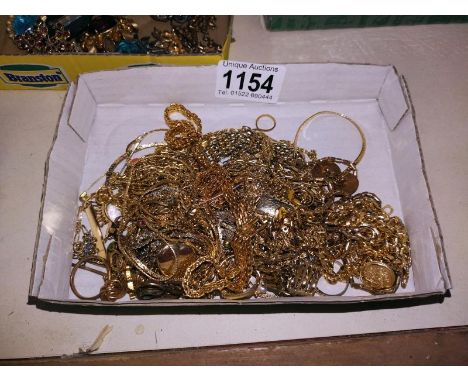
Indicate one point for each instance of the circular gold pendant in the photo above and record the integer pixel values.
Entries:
(326, 169)
(348, 184)
(377, 276)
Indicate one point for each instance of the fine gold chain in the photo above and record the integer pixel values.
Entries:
(235, 214)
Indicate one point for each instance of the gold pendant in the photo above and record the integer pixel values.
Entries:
(377, 277)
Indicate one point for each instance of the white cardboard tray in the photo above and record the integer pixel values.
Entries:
(106, 110)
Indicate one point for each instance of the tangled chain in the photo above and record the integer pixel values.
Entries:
(235, 214)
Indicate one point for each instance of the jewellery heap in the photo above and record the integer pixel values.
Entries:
(235, 214)
(172, 35)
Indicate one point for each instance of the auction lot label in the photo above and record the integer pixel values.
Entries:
(247, 81)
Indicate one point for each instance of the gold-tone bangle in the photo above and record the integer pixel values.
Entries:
(327, 112)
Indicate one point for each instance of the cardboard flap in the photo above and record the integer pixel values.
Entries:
(165, 84)
(442, 259)
(392, 99)
(417, 208)
(55, 282)
(332, 82)
(40, 259)
(60, 199)
(84, 111)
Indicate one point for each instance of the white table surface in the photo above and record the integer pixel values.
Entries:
(434, 60)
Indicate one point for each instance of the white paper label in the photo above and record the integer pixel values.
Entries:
(249, 82)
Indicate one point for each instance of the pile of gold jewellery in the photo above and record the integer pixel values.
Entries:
(235, 214)
(171, 35)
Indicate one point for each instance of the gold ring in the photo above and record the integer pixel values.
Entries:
(269, 116)
(79, 265)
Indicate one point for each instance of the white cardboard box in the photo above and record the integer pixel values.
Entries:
(106, 110)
